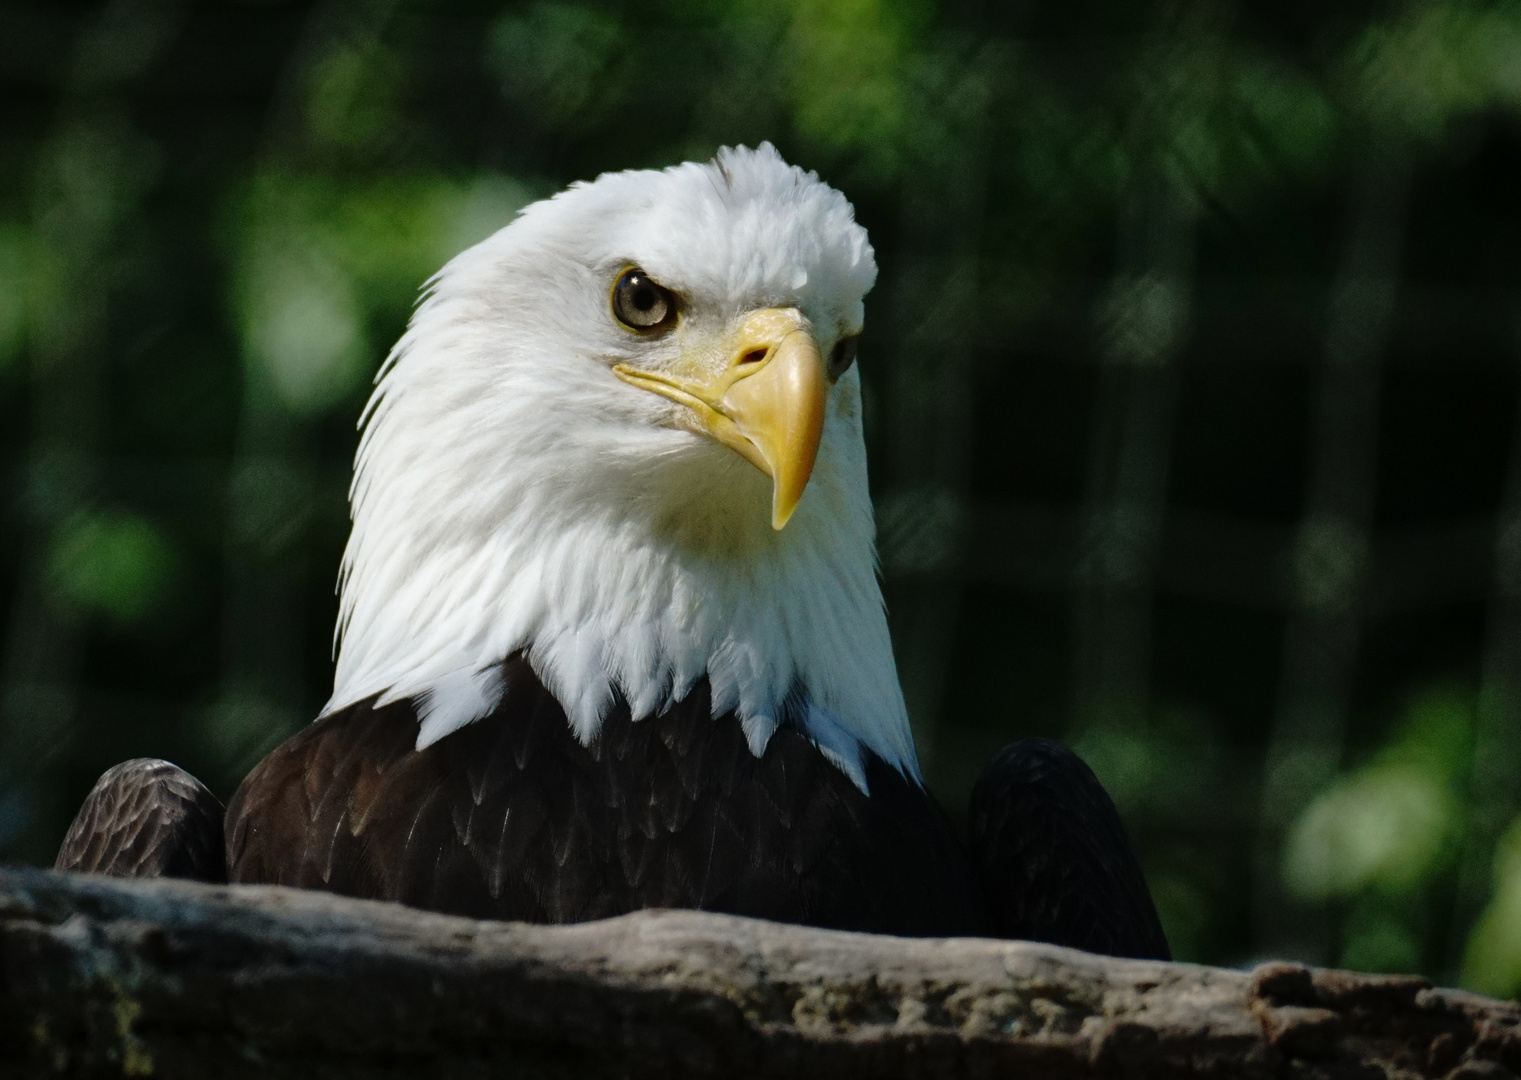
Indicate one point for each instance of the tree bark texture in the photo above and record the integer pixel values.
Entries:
(106, 977)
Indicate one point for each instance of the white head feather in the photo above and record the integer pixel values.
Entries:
(511, 493)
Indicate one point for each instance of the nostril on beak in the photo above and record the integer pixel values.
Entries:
(754, 356)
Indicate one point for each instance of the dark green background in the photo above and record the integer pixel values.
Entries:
(1191, 379)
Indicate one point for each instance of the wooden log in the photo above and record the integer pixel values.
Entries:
(107, 977)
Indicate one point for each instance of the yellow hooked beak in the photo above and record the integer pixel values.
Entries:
(767, 403)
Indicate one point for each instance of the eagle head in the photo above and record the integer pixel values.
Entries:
(622, 436)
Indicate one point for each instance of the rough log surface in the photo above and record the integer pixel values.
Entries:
(108, 977)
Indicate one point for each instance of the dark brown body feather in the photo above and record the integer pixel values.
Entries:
(147, 818)
(512, 818)
(1053, 857)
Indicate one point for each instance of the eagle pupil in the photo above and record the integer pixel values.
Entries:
(644, 299)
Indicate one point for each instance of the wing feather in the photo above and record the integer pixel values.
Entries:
(147, 818)
(1054, 858)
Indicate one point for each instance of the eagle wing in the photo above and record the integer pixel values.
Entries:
(1053, 857)
(147, 818)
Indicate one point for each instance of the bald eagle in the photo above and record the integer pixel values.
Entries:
(611, 634)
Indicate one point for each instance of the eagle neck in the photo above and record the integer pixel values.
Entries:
(609, 602)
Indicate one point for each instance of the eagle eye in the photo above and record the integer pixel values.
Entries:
(640, 304)
(843, 355)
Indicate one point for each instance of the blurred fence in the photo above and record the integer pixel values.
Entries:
(1191, 381)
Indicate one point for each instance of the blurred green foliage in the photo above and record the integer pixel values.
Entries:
(114, 564)
(319, 261)
(1382, 836)
(1492, 960)
(1391, 824)
(1191, 383)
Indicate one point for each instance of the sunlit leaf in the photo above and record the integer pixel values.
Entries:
(320, 263)
(1435, 735)
(1384, 827)
(115, 564)
(848, 70)
(351, 100)
(1414, 74)
(1492, 960)
(303, 328)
